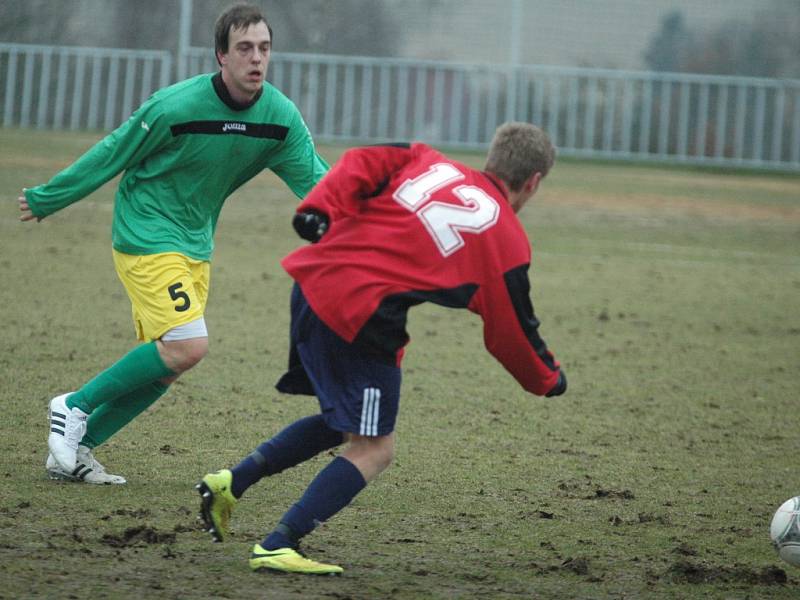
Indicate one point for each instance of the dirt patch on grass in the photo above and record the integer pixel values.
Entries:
(603, 493)
(685, 571)
(134, 536)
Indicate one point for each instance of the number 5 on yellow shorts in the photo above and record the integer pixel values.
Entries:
(166, 290)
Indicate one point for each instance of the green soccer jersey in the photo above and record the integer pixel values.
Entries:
(184, 151)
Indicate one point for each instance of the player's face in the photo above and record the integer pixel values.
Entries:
(244, 66)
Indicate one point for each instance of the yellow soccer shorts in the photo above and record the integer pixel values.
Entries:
(166, 290)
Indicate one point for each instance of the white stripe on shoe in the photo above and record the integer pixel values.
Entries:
(87, 470)
(67, 426)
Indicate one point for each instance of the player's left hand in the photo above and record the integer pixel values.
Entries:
(27, 213)
(310, 225)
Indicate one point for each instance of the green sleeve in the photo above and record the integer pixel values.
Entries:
(299, 165)
(136, 139)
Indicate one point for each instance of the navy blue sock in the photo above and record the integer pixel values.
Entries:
(297, 443)
(332, 489)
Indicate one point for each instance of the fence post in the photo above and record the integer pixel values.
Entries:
(184, 37)
(512, 85)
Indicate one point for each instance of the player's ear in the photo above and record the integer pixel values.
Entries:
(532, 184)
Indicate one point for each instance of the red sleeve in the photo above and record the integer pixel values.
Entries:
(359, 174)
(510, 331)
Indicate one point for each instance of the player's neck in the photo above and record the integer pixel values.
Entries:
(230, 95)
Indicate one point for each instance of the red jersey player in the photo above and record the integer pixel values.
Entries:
(393, 226)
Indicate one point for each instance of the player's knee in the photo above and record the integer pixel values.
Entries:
(385, 460)
(195, 352)
(372, 455)
(382, 451)
(182, 355)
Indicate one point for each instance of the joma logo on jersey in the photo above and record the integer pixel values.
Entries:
(267, 131)
(234, 127)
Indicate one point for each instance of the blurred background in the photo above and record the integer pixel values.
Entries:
(725, 37)
(671, 80)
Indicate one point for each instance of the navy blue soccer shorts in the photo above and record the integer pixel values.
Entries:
(356, 393)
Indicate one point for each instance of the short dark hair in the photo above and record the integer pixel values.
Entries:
(240, 16)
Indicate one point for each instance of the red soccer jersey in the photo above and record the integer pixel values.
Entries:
(408, 225)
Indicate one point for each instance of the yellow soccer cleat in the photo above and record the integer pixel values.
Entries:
(216, 503)
(288, 560)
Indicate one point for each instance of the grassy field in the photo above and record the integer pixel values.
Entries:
(670, 297)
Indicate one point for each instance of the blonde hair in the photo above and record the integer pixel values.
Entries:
(517, 151)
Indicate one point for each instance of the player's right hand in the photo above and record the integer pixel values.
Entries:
(27, 213)
(310, 225)
(560, 387)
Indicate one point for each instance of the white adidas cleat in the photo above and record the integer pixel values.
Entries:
(67, 427)
(88, 470)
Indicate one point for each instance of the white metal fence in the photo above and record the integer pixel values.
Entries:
(69, 87)
(694, 119)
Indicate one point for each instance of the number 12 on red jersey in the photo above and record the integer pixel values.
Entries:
(444, 221)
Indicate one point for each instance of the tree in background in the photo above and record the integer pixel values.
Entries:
(668, 48)
(767, 46)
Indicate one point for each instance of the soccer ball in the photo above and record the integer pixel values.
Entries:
(785, 531)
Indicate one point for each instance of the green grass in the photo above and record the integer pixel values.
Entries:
(670, 297)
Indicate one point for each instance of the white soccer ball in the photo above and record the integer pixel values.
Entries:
(785, 531)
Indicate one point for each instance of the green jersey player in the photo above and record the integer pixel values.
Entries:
(183, 152)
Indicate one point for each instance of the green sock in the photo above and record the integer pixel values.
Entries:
(112, 416)
(141, 365)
